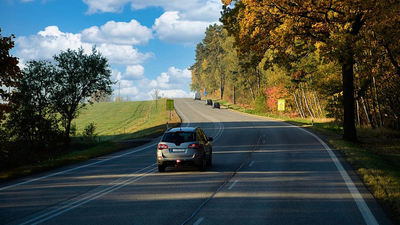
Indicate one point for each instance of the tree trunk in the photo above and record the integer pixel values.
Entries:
(301, 108)
(67, 131)
(317, 106)
(306, 102)
(222, 87)
(377, 102)
(320, 106)
(311, 105)
(349, 127)
(298, 106)
(358, 113)
(374, 108)
(258, 81)
(234, 95)
(251, 89)
(366, 113)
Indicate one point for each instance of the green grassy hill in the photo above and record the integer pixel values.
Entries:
(121, 120)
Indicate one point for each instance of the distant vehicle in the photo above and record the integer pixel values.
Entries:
(184, 146)
(216, 105)
(197, 96)
(209, 102)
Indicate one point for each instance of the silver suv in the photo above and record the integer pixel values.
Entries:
(184, 146)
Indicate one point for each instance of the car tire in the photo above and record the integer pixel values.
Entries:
(209, 161)
(161, 168)
(203, 164)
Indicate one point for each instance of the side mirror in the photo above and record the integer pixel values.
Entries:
(210, 139)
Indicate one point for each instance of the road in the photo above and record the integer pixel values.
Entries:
(264, 172)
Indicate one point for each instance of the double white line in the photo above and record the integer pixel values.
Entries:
(94, 194)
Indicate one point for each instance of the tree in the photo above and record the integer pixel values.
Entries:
(33, 120)
(9, 74)
(338, 26)
(32, 125)
(213, 54)
(78, 77)
(156, 95)
(215, 62)
(101, 97)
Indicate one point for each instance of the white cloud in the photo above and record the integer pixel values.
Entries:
(206, 12)
(115, 75)
(114, 6)
(134, 72)
(125, 84)
(48, 43)
(162, 81)
(182, 23)
(123, 54)
(131, 33)
(174, 78)
(52, 41)
(170, 28)
(179, 74)
(171, 84)
(202, 10)
(174, 93)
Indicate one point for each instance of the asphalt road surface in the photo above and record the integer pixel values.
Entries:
(264, 172)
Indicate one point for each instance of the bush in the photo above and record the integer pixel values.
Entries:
(89, 134)
(261, 105)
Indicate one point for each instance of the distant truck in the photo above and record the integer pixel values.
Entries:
(197, 96)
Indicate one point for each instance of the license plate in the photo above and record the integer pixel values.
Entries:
(178, 150)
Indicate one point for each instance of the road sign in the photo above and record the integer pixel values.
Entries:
(170, 104)
(281, 104)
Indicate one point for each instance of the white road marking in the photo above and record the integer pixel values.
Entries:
(233, 184)
(106, 189)
(199, 221)
(362, 206)
(217, 131)
(76, 168)
(251, 164)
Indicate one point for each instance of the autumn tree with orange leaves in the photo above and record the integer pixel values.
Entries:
(339, 28)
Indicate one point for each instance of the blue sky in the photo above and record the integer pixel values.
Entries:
(149, 43)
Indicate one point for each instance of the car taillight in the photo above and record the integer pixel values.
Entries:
(162, 146)
(197, 145)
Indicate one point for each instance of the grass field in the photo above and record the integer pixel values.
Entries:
(122, 120)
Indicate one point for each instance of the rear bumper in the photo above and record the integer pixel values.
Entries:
(183, 161)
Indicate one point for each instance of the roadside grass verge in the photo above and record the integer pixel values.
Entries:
(132, 122)
(375, 157)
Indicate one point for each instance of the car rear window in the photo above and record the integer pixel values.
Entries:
(179, 137)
